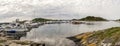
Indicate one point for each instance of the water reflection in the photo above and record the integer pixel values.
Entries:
(55, 34)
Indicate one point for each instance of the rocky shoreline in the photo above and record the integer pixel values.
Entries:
(10, 41)
(107, 37)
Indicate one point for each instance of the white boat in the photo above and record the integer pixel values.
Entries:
(14, 30)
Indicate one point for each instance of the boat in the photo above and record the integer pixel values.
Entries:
(77, 22)
(16, 30)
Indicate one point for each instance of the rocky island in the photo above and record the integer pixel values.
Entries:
(92, 18)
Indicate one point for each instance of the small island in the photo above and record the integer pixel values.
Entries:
(88, 18)
(40, 20)
(92, 18)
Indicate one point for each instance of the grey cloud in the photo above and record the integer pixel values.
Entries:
(59, 9)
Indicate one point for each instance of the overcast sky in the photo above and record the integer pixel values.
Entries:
(58, 9)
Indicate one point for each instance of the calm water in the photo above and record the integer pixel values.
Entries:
(54, 34)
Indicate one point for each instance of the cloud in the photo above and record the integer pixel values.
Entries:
(58, 9)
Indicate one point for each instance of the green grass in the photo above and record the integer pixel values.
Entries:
(111, 33)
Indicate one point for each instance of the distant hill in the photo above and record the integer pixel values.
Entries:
(109, 37)
(92, 18)
(40, 20)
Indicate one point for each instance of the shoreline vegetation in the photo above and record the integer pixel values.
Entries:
(106, 37)
(88, 18)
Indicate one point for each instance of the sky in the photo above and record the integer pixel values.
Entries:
(58, 9)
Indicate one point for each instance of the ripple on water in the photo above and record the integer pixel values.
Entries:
(53, 41)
